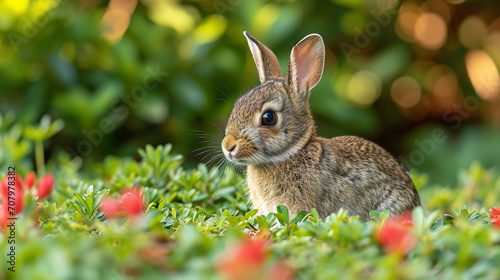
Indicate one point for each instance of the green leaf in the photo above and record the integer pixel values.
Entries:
(90, 204)
(90, 190)
(44, 130)
(430, 220)
(283, 210)
(200, 197)
(464, 212)
(315, 215)
(99, 197)
(171, 197)
(251, 213)
(301, 216)
(174, 213)
(374, 214)
(223, 192)
(438, 223)
(418, 218)
(79, 207)
(281, 218)
(80, 199)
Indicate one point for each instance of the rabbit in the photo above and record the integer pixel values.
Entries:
(271, 132)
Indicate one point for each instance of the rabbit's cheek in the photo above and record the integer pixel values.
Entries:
(267, 134)
(245, 149)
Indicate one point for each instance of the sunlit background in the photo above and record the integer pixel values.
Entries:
(421, 78)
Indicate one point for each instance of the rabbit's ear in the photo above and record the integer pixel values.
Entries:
(265, 60)
(306, 63)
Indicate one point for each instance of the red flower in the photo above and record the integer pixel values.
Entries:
(495, 216)
(280, 271)
(131, 203)
(30, 179)
(404, 219)
(4, 189)
(396, 238)
(5, 185)
(3, 216)
(111, 207)
(16, 194)
(251, 251)
(244, 261)
(247, 261)
(45, 186)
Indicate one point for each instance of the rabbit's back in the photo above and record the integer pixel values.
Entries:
(328, 174)
(359, 152)
(370, 175)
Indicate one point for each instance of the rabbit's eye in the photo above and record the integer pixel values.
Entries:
(269, 118)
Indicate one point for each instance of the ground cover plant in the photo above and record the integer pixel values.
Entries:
(150, 218)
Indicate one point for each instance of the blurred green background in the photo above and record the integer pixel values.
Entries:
(418, 77)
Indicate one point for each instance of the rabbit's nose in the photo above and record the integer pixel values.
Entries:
(229, 143)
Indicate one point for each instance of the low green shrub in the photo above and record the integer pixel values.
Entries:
(153, 219)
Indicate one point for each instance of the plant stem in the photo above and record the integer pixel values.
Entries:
(39, 158)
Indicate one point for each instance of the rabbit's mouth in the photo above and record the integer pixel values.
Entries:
(228, 154)
(239, 151)
(231, 157)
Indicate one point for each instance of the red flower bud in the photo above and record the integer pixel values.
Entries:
(19, 182)
(30, 179)
(3, 216)
(396, 238)
(252, 251)
(495, 216)
(45, 185)
(246, 260)
(4, 189)
(281, 271)
(18, 185)
(404, 219)
(132, 202)
(16, 194)
(111, 207)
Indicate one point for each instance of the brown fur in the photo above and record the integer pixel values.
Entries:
(287, 164)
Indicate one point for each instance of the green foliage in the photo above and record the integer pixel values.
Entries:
(87, 205)
(44, 130)
(193, 216)
(382, 216)
(463, 214)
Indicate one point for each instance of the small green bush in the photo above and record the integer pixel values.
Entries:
(193, 219)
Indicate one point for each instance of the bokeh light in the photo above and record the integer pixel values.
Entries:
(209, 30)
(492, 41)
(406, 92)
(405, 23)
(363, 88)
(13, 8)
(117, 18)
(444, 88)
(430, 31)
(456, 2)
(168, 13)
(472, 32)
(265, 18)
(483, 74)
(438, 7)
